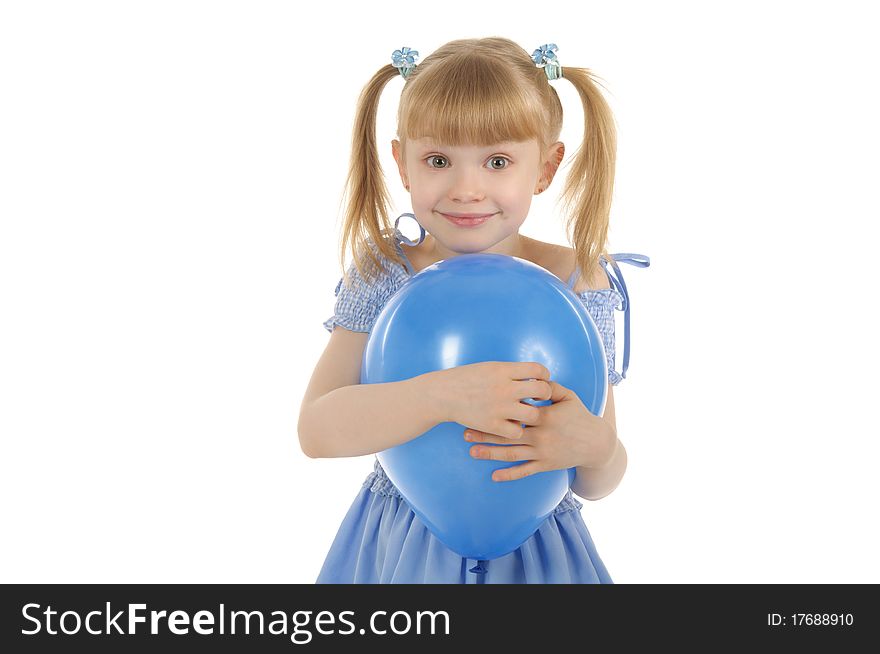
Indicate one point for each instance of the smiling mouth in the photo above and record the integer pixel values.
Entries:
(467, 219)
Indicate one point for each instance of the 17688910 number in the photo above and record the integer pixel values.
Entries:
(810, 620)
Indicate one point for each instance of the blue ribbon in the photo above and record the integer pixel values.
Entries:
(640, 261)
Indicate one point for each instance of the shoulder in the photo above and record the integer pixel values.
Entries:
(561, 261)
(373, 266)
(363, 291)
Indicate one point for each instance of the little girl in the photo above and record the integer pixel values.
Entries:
(478, 124)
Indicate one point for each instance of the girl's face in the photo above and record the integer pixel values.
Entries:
(497, 181)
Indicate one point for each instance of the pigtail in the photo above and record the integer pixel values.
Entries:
(366, 196)
(589, 184)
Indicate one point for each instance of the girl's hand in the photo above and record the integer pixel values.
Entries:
(566, 435)
(487, 396)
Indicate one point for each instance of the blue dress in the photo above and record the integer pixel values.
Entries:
(381, 540)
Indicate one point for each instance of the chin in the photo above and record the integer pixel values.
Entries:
(472, 249)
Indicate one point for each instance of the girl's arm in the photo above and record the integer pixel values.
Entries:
(339, 416)
(596, 483)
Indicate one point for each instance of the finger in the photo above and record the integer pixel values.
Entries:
(559, 392)
(527, 414)
(536, 389)
(529, 370)
(511, 429)
(517, 472)
(501, 452)
(475, 436)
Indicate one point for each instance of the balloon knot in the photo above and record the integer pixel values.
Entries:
(481, 568)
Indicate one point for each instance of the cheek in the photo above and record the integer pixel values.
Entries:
(518, 204)
(419, 199)
(427, 196)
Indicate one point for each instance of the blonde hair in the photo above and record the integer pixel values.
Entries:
(480, 92)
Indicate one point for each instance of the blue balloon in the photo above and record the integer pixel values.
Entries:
(467, 309)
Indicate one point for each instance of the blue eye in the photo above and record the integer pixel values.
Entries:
(432, 159)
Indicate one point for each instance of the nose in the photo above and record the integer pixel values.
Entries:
(467, 186)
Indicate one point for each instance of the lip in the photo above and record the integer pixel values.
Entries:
(467, 219)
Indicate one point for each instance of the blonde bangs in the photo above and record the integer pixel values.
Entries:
(466, 100)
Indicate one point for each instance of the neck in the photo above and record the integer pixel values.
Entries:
(515, 245)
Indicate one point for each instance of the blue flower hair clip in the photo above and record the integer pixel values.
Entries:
(404, 60)
(545, 57)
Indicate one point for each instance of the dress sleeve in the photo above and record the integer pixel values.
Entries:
(359, 303)
(601, 305)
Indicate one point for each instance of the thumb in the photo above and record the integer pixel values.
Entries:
(558, 392)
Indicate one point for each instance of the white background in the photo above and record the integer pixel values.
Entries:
(170, 177)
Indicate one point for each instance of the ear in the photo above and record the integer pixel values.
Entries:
(552, 158)
(398, 157)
